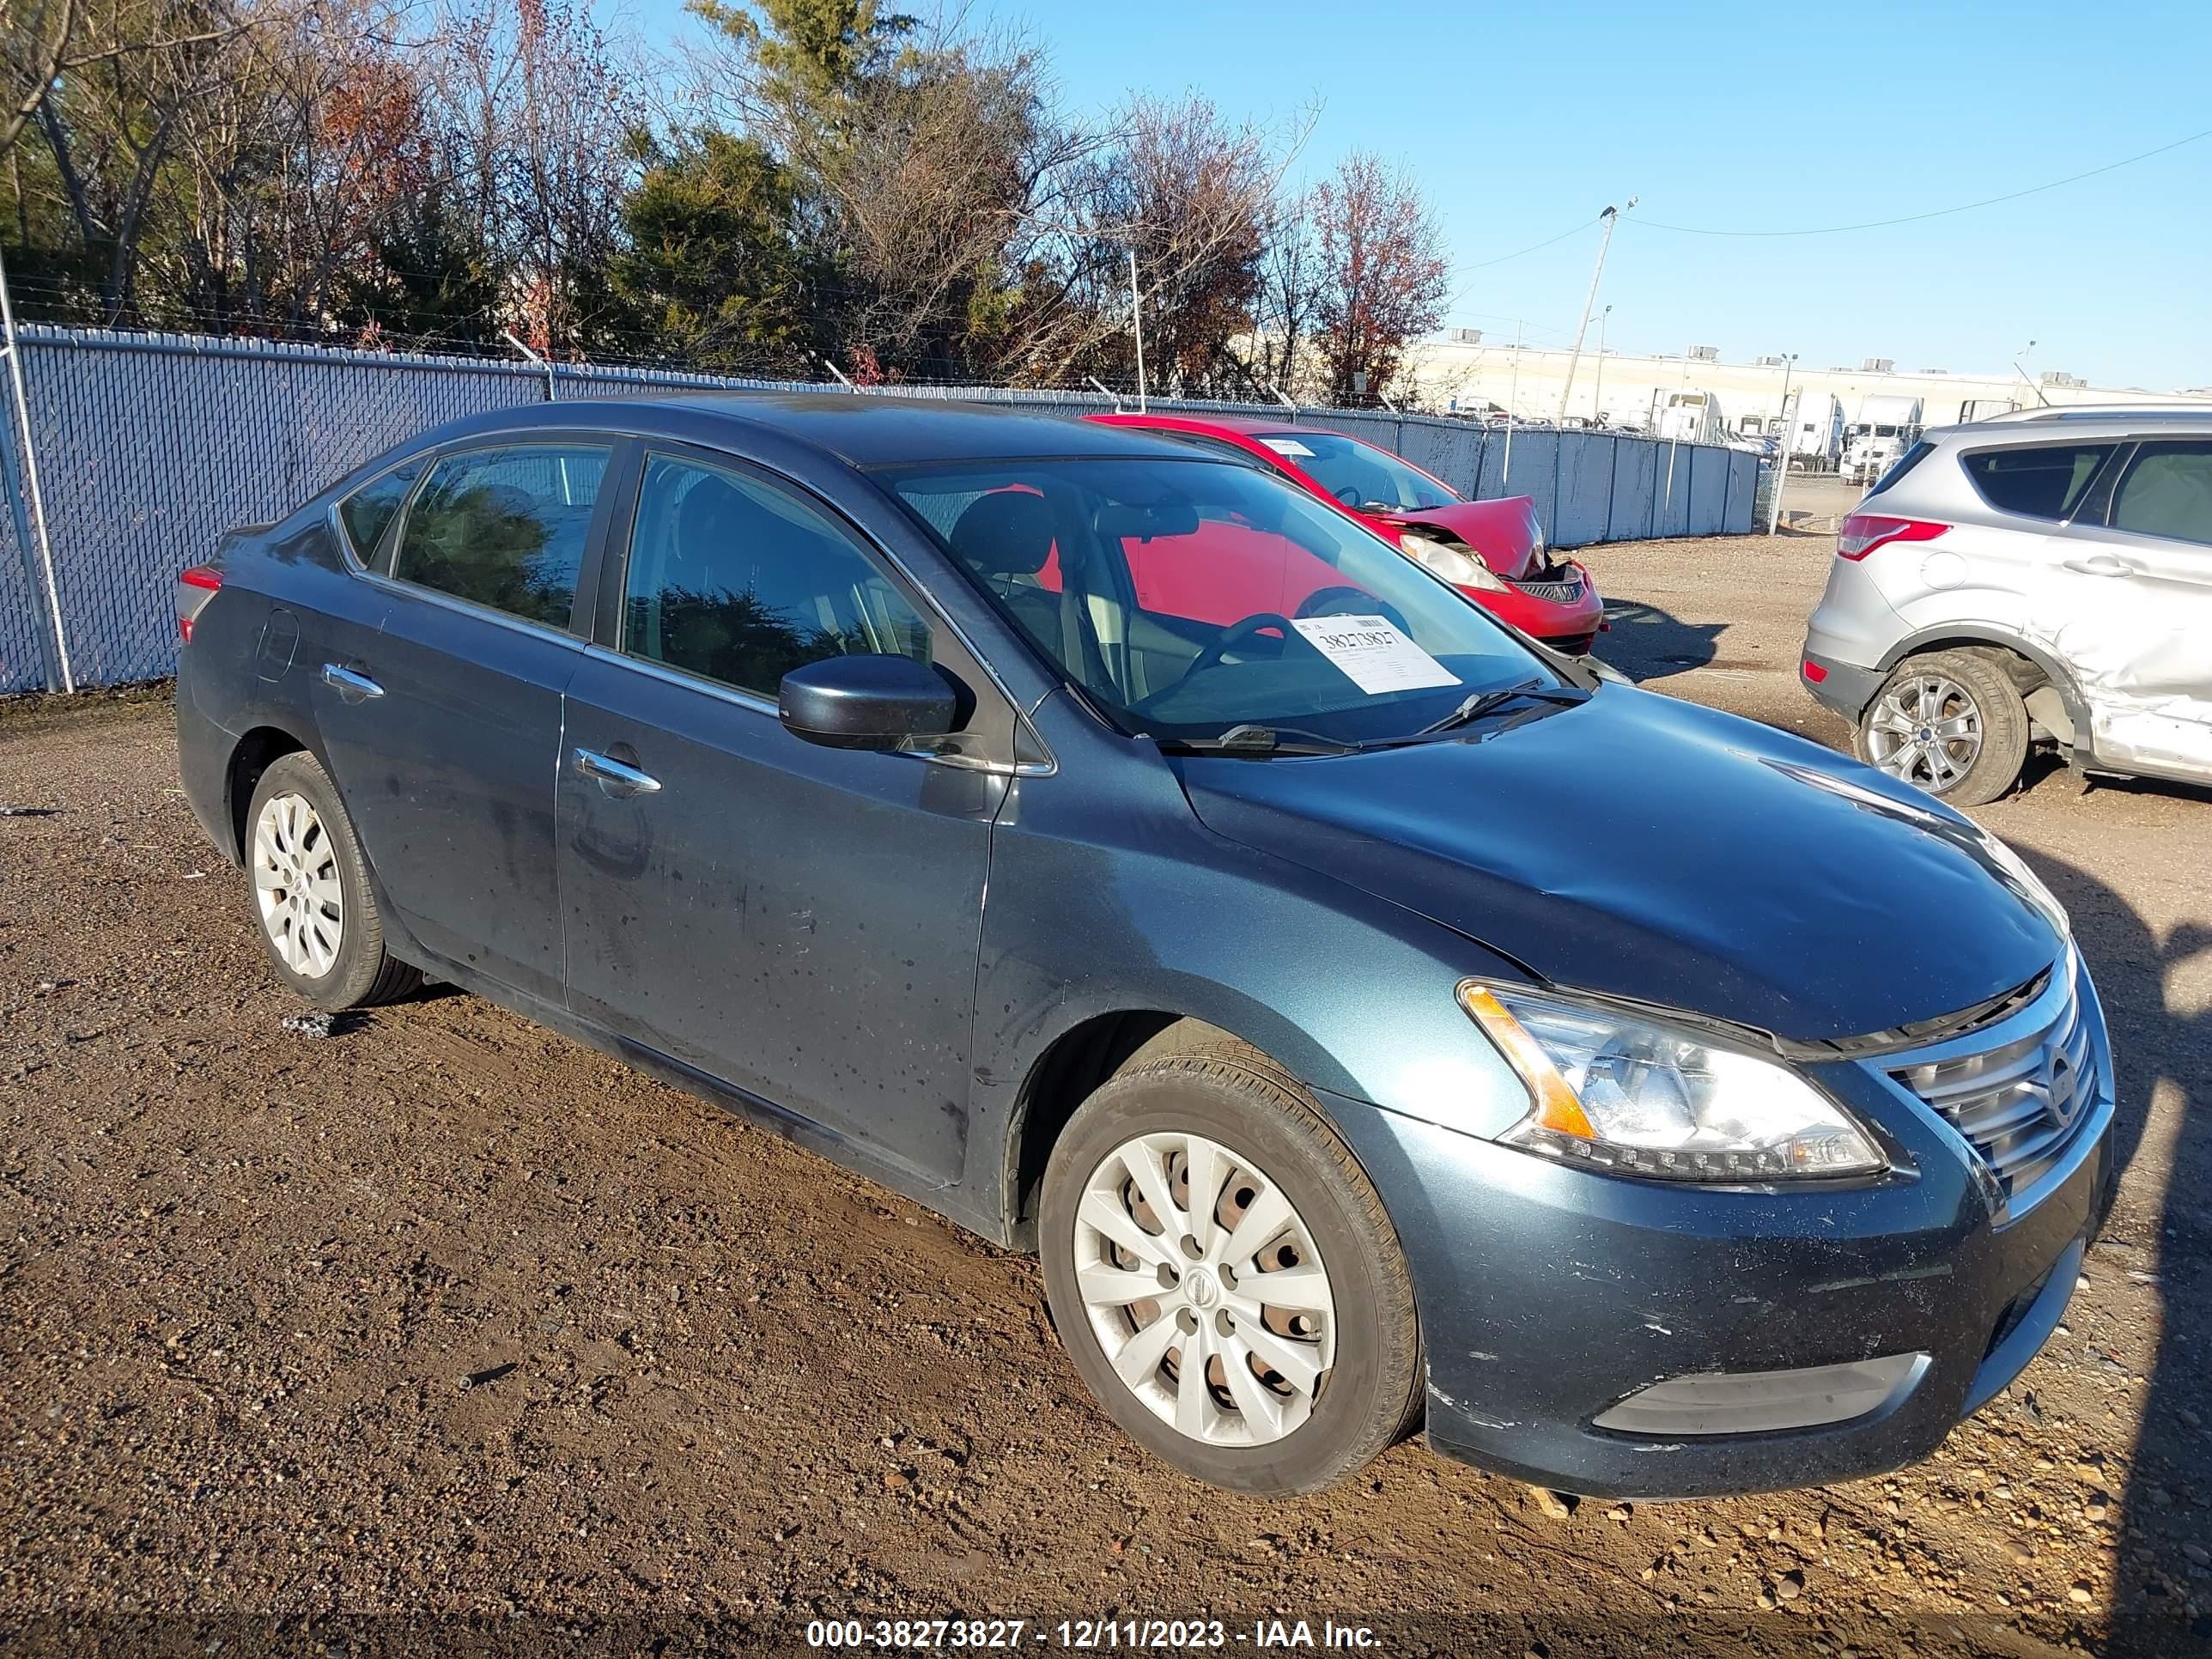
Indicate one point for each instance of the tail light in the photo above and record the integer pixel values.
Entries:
(196, 586)
(1862, 532)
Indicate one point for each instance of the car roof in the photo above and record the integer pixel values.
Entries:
(2081, 421)
(1248, 426)
(863, 429)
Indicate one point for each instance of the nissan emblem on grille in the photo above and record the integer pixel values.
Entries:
(2017, 1102)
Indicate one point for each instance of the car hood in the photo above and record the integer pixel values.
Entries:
(1651, 849)
(1503, 531)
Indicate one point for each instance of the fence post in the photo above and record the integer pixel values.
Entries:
(56, 653)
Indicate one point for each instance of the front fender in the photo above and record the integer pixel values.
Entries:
(1092, 914)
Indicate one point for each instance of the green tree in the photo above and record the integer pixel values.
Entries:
(713, 274)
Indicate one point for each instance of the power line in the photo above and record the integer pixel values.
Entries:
(1939, 213)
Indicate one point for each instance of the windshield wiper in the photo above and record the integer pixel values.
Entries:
(1258, 742)
(1473, 708)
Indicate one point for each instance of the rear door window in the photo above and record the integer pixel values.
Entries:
(2167, 492)
(505, 527)
(2038, 481)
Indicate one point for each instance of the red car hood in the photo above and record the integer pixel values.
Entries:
(1503, 531)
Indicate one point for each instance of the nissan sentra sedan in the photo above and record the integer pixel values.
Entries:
(1373, 1021)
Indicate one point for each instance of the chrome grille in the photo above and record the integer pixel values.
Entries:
(1560, 592)
(2018, 1103)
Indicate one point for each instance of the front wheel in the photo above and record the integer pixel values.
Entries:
(1226, 1278)
(1952, 723)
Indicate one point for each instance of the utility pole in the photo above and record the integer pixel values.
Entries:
(1512, 407)
(1782, 451)
(1137, 322)
(1597, 391)
(1610, 217)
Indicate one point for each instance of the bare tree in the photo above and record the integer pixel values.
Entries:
(1381, 275)
(537, 127)
(43, 40)
(1193, 197)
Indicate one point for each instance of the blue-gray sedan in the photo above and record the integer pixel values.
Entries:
(1372, 1018)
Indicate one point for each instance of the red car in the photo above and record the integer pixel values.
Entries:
(1491, 551)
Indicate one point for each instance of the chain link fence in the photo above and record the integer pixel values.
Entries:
(147, 447)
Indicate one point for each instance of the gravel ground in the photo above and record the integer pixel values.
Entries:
(443, 1315)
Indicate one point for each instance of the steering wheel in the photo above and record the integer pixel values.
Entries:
(1235, 634)
(1350, 602)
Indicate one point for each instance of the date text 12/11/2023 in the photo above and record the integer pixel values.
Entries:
(1164, 1635)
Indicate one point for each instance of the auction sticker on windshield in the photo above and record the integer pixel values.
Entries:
(1374, 654)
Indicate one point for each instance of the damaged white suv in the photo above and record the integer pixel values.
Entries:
(2045, 577)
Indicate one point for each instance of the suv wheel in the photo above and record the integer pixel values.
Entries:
(310, 893)
(1224, 1277)
(1952, 723)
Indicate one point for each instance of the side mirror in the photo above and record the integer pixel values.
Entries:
(866, 701)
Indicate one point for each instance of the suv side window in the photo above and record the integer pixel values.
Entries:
(2167, 491)
(2038, 481)
(368, 512)
(737, 581)
(505, 527)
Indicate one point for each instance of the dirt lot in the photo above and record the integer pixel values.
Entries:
(446, 1315)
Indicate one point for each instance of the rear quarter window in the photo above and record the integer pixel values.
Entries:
(368, 512)
(2037, 481)
(1903, 464)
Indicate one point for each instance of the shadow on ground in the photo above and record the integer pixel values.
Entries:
(1646, 643)
(2162, 1053)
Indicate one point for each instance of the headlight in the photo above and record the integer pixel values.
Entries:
(1461, 569)
(1614, 1092)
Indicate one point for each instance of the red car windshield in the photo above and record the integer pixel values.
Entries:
(1187, 598)
(1359, 475)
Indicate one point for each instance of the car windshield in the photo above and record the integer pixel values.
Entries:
(1188, 598)
(1359, 475)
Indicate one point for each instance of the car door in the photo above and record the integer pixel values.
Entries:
(2134, 594)
(439, 701)
(797, 921)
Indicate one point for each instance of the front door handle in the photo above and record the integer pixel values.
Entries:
(2098, 564)
(615, 778)
(353, 687)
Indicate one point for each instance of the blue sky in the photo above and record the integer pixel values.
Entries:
(1521, 120)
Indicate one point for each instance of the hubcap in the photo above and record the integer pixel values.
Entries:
(1205, 1288)
(1927, 730)
(296, 885)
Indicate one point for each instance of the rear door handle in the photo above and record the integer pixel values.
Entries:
(2100, 564)
(615, 777)
(354, 688)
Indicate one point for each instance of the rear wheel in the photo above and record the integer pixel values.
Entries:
(1225, 1276)
(312, 900)
(1952, 723)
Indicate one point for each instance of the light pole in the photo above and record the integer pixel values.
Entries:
(1137, 322)
(1512, 409)
(1610, 217)
(1597, 388)
(1782, 451)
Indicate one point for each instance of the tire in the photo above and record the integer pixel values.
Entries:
(1962, 693)
(1351, 1381)
(309, 892)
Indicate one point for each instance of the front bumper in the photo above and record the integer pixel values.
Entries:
(1567, 620)
(1549, 1294)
